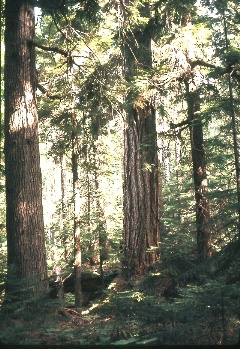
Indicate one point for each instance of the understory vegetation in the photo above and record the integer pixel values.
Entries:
(177, 303)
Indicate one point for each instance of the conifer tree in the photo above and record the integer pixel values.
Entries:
(233, 62)
(225, 14)
(76, 229)
(93, 85)
(142, 185)
(199, 176)
(27, 270)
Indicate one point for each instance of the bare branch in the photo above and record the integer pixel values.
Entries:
(182, 123)
(47, 93)
(50, 48)
(200, 62)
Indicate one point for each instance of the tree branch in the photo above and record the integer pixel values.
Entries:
(47, 93)
(182, 123)
(221, 70)
(200, 62)
(49, 48)
(66, 54)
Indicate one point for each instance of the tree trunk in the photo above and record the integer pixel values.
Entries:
(142, 192)
(200, 176)
(64, 208)
(77, 231)
(101, 225)
(234, 129)
(142, 188)
(27, 271)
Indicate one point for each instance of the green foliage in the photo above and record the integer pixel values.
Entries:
(87, 13)
(85, 9)
(232, 57)
(204, 312)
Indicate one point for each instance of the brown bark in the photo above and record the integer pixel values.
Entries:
(200, 176)
(142, 181)
(27, 270)
(142, 192)
(199, 173)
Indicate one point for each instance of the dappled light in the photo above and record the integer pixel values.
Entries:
(119, 173)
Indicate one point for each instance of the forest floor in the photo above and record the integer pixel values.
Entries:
(169, 306)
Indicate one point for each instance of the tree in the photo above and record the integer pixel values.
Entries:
(27, 270)
(76, 200)
(142, 184)
(225, 14)
(232, 60)
(199, 175)
(194, 122)
(84, 110)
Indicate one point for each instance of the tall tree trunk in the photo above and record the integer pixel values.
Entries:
(234, 128)
(200, 176)
(91, 245)
(27, 271)
(101, 225)
(77, 231)
(142, 190)
(236, 146)
(63, 217)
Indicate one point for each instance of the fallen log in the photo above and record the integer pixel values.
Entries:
(90, 284)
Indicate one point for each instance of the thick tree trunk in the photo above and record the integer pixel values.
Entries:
(200, 177)
(142, 185)
(27, 271)
(142, 192)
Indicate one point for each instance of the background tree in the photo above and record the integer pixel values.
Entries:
(226, 74)
(27, 270)
(76, 200)
(232, 62)
(199, 175)
(96, 90)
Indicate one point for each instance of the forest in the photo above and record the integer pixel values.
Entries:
(120, 173)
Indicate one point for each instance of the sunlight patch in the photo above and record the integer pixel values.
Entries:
(112, 286)
(85, 312)
(24, 115)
